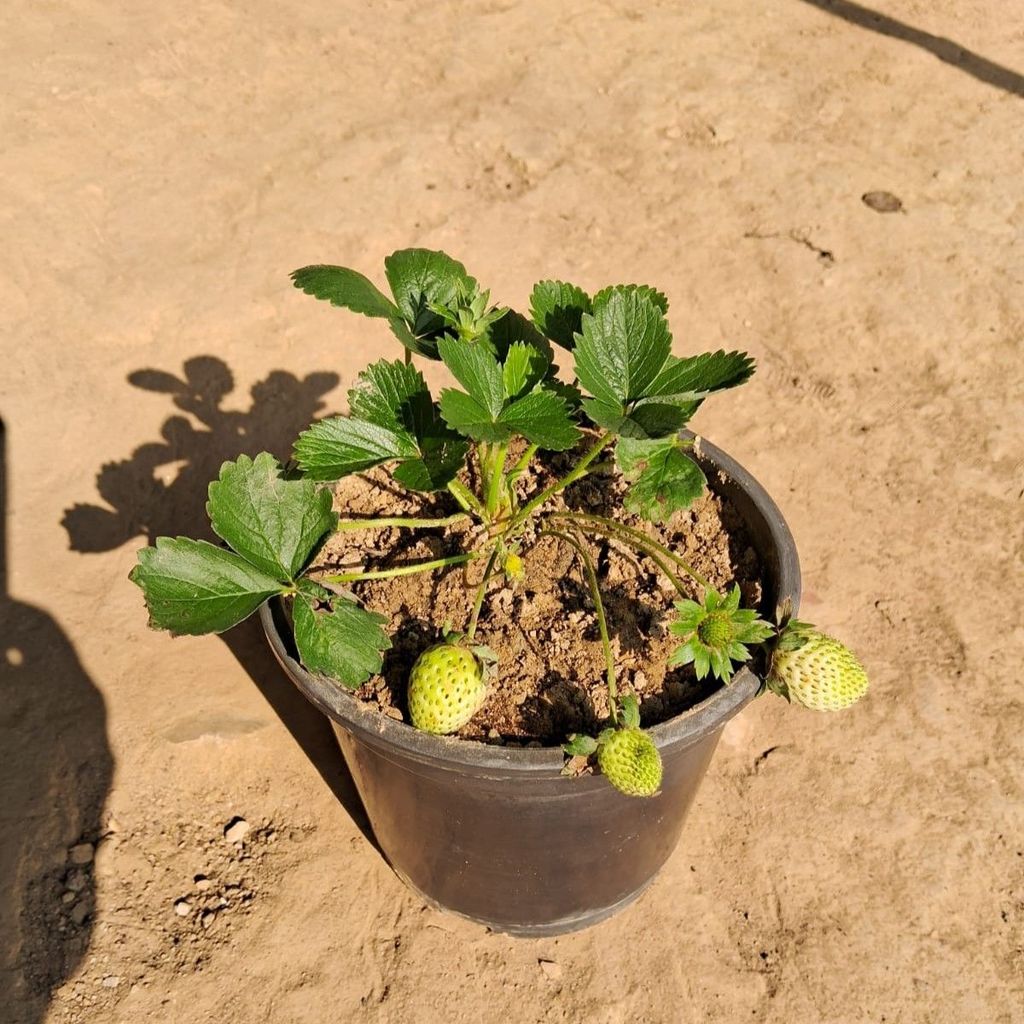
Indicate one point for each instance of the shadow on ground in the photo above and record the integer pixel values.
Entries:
(946, 50)
(162, 488)
(55, 769)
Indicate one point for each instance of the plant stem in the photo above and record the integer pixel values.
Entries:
(481, 591)
(521, 463)
(399, 521)
(637, 538)
(571, 477)
(602, 625)
(495, 475)
(399, 570)
(465, 497)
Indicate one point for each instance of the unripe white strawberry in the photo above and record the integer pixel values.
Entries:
(446, 688)
(816, 670)
(631, 762)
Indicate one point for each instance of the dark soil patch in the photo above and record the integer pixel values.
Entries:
(550, 675)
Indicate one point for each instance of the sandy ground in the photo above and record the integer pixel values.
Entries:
(163, 167)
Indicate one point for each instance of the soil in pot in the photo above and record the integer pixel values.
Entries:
(550, 675)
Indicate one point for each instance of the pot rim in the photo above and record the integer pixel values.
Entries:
(343, 707)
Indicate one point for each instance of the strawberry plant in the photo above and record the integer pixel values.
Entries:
(629, 396)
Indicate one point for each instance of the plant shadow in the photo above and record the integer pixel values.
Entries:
(559, 709)
(161, 490)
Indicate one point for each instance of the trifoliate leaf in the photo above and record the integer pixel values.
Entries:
(465, 414)
(341, 286)
(194, 587)
(695, 376)
(543, 419)
(664, 479)
(335, 447)
(653, 294)
(557, 309)
(392, 395)
(420, 278)
(476, 370)
(272, 522)
(622, 347)
(395, 396)
(524, 367)
(344, 643)
(511, 328)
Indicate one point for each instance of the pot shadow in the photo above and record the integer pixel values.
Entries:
(54, 778)
(161, 490)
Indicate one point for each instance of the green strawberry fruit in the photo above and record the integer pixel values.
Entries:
(816, 671)
(631, 762)
(446, 688)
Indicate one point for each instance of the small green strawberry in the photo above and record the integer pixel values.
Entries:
(630, 761)
(446, 688)
(815, 670)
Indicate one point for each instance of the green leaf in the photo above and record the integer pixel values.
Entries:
(272, 522)
(194, 587)
(622, 348)
(344, 643)
(465, 414)
(514, 327)
(335, 447)
(646, 419)
(441, 457)
(568, 393)
(579, 745)
(696, 376)
(658, 298)
(557, 309)
(395, 396)
(543, 419)
(476, 370)
(425, 347)
(341, 286)
(664, 479)
(420, 278)
(392, 395)
(524, 367)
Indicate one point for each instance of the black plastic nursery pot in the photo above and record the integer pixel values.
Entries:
(498, 834)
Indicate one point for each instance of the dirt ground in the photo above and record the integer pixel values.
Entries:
(163, 167)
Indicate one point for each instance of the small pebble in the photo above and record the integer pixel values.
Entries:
(551, 969)
(81, 853)
(68, 897)
(882, 202)
(77, 880)
(79, 912)
(202, 883)
(182, 907)
(235, 830)
(111, 981)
